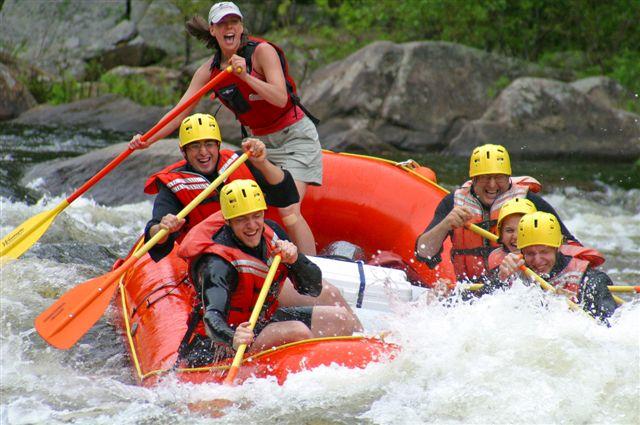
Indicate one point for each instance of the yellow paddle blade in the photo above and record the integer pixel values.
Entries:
(27, 234)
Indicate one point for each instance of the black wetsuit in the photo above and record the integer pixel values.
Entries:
(216, 279)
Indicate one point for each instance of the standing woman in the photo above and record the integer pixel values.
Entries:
(262, 95)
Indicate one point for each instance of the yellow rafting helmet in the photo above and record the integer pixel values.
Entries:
(489, 159)
(199, 127)
(539, 228)
(241, 197)
(515, 206)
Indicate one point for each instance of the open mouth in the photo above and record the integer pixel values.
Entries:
(228, 38)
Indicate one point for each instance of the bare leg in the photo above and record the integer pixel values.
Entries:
(332, 321)
(279, 333)
(330, 296)
(297, 226)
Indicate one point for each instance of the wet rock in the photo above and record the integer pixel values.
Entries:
(97, 255)
(124, 185)
(351, 136)
(541, 118)
(107, 112)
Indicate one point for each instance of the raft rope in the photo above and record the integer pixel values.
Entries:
(363, 283)
(145, 301)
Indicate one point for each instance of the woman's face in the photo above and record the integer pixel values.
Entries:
(228, 32)
(509, 232)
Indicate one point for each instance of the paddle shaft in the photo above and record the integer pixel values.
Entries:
(113, 276)
(612, 288)
(14, 239)
(146, 136)
(237, 360)
(543, 283)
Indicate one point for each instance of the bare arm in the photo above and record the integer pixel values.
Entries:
(267, 63)
(430, 242)
(258, 157)
(200, 78)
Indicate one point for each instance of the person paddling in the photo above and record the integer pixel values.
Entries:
(508, 219)
(228, 255)
(539, 240)
(176, 185)
(179, 183)
(477, 201)
(263, 96)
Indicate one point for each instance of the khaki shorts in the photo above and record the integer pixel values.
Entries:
(297, 149)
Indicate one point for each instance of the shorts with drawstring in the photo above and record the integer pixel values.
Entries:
(297, 149)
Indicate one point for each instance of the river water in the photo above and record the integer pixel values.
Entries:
(507, 358)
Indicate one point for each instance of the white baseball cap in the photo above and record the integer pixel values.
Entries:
(222, 9)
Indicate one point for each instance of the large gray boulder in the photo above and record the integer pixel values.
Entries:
(56, 35)
(108, 112)
(123, 185)
(415, 96)
(606, 92)
(15, 98)
(541, 118)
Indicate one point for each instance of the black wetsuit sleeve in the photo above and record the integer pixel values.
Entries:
(305, 275)
(442, 210)
(542, 205)
(278, 195)
(165, 203)
(216, 279)
(595, 296)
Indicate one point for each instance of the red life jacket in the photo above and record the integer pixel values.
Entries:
(570, 278)
(251, 270)
(252, 110)
(470, 252)
(186, 185)
(592, 256)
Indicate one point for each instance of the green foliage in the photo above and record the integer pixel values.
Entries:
(140, 90)
(626, 70)
(499, 85)
(65, 91)
(135, 88)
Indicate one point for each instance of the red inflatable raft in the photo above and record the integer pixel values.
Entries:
(377, 204)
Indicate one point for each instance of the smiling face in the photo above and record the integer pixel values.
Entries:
(488, 187)
(540, 258)
(202, 155)
(509, 232)
(228, 33)
(248, 228)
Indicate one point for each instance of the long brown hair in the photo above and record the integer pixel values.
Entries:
(198, 27)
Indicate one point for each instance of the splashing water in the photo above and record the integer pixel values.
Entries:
(513, 357)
